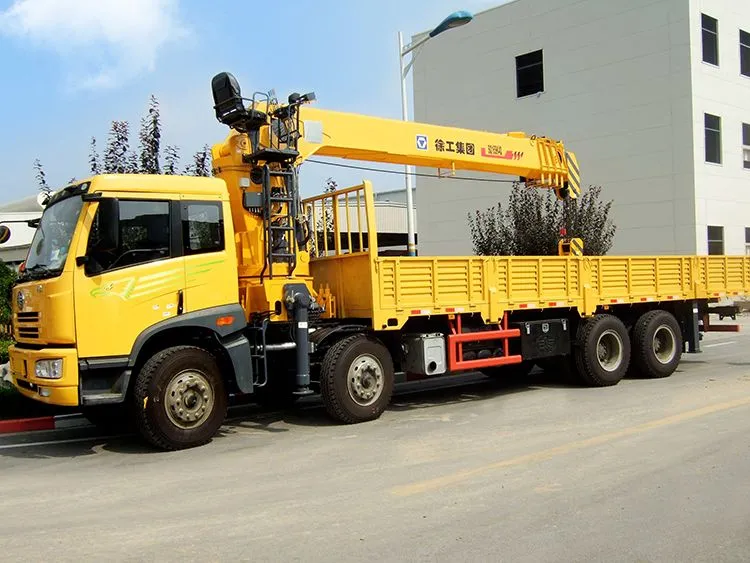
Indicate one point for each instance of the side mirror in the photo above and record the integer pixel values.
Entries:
(109, 224)
(4, 234)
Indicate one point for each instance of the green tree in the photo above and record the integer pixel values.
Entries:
(94, 165)
(41, 177)
(201, 165)
(150, 138)
(7, 279)
(171, 159)
(533, 220)
(119, 157)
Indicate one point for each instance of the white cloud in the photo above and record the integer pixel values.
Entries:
(103, 42)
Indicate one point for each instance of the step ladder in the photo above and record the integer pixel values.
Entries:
(279, 218)
(258, 357)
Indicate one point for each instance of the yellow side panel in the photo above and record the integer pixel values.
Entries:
(405, 287)
(113, 308)
(724, 275)
(349, 278)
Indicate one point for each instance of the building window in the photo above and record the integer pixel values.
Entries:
(747, 241)
(529, 74)
(710, 28)
(202, 227)
(746, 146)
(715, 240)
(712, 125)
(745, 53)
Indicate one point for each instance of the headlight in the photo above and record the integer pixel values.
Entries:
(49, 369)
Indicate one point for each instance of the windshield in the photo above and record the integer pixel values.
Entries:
(49, 248)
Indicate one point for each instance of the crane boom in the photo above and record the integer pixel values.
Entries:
(269, 140)
(541, 161)
(297, 131)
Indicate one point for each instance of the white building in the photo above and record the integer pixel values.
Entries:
(15, 215)
(652, 95)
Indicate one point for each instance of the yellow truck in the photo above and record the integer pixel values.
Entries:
(155, 299)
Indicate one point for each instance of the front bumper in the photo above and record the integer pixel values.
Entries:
(62, 392)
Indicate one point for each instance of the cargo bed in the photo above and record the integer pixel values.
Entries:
(390, 290)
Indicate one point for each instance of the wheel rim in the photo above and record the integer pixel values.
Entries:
(189, 399)
(664, 344)
(609, 350)
(365, 380)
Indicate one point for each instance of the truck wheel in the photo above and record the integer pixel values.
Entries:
(180, 401)
(602, 352)
(356, 379)
(657, 344)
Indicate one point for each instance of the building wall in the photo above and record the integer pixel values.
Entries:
(617, 92)
(722, 190)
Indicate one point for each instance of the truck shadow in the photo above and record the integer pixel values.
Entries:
(409, 396)
(309, 412)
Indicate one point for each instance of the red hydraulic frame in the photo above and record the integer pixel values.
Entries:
(457, 338)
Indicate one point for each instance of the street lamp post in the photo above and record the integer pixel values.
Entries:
(455, 19)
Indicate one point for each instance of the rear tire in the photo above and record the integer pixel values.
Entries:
(356, 379)
(179, 398)
(602, 351)
(657, 344)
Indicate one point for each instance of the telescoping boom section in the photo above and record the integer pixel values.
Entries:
(541, 161)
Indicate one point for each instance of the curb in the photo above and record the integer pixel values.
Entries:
(59, 422)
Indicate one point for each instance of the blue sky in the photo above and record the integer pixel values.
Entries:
(72, 66)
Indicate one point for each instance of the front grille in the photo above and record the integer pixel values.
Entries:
(28, 332)
(27, 325)
(32, 317)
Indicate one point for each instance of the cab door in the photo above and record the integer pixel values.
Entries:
(122, 291)
(210, 256)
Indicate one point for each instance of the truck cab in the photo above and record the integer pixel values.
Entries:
(119, 265)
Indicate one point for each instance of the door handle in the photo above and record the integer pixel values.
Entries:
(180, 302)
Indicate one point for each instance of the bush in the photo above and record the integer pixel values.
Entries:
(532, 223)
(7, 279)
(4, 344)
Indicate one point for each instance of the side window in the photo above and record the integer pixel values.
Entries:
(144, 237)
(202, 227)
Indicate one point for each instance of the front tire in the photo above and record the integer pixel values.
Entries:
(356, 379)
(180, 399)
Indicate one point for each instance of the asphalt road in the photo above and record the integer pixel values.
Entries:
(653, 470)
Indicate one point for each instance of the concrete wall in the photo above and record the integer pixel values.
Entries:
(722, 190)
(617, 92)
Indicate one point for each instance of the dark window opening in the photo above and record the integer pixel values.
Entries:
(710, 32)
(712, 125)
(746, 146)
(745, 53)
(144, 237)
(202, 228)
(529, 74)
(715, 240)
